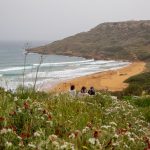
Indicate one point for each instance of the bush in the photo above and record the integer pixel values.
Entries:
(133, 89)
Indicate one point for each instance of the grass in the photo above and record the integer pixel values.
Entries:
(142, 103)
(138, 84)
(48, 121)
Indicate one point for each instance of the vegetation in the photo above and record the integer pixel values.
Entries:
(142, 103)
(48, 121)
(138, 84)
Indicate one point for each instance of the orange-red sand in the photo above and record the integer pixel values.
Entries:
(110, 80)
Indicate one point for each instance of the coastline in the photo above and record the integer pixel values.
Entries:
(112, 80)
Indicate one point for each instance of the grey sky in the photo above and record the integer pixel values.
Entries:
(56, 19)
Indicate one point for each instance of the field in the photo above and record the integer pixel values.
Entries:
(38, 121)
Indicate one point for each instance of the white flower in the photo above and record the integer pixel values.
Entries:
(63, 146)
(113, 123)
(53, 137)
(31, 145)
(9, 130)
(37, 134)
(132, 139)
(42, 118)
(56, 144)
(15, 99)
(94, 141)
(72, 136)
(19, 110)
(8, 144)
(116, 136)
(19, 137)
(114, 97)
(40, 109)
(3, 131)
(50, 122)
(105, 126)
(86, 129)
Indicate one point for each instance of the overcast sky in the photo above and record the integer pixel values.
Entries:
(55, 19)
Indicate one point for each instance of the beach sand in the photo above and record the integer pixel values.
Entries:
(111, 80)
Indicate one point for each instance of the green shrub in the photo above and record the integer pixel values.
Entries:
(133, 89)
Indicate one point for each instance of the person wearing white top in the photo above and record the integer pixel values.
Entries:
(72, 91)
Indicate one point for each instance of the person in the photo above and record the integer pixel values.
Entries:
(72, 90)
(83, 92)
(91, 91)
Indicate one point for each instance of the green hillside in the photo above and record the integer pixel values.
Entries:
(35, 120)
(128, 40)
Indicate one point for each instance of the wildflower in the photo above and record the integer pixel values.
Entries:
(15, 99)
(19, 137)
(31, 145)
(77, 133)
(132, 139)
(105, 126)
(40, 109)
(19, 110)
(53, 137)
(94, 141)
(42, 118)
(21, 144)
(9, 130)
(49, 117)
(26, 105)
(116, 136)
(37, 134)
(63, 146)
(89, 124)
(44, 111)
(12, 113)
(24, 135)
(72, 136)
(113, 123)
(3, 131)
(56, 144)
(96, 134)
(8, 144)
(84, 147)
(86, 129)
(2, 119)
(50, 122)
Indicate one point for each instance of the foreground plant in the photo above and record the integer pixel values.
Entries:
(63, 122)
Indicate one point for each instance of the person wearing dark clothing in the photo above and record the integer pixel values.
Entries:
(91, 91)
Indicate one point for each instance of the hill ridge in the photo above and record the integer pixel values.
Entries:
(128, 40)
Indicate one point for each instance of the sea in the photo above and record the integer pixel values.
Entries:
(15, 70)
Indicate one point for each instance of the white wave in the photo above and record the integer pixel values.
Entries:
(100, 62)
(71, 73)
(15, 68)
(65, 63)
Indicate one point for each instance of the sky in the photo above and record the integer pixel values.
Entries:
(56, 19)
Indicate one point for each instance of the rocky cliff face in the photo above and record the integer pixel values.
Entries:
(128, 40)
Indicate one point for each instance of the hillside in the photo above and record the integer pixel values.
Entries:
(37, 121)
(128, 40)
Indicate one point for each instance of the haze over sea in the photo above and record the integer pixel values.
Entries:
(52, 70)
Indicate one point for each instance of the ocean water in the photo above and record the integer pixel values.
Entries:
(53, 69)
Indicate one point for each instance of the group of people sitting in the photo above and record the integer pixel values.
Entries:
(83, 91)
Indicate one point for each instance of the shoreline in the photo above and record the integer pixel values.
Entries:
(112, 80)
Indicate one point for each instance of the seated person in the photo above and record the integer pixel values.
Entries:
(83, 92)
(72, 90)
(91, 91)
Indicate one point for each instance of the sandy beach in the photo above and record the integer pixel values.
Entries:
(111, 80)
